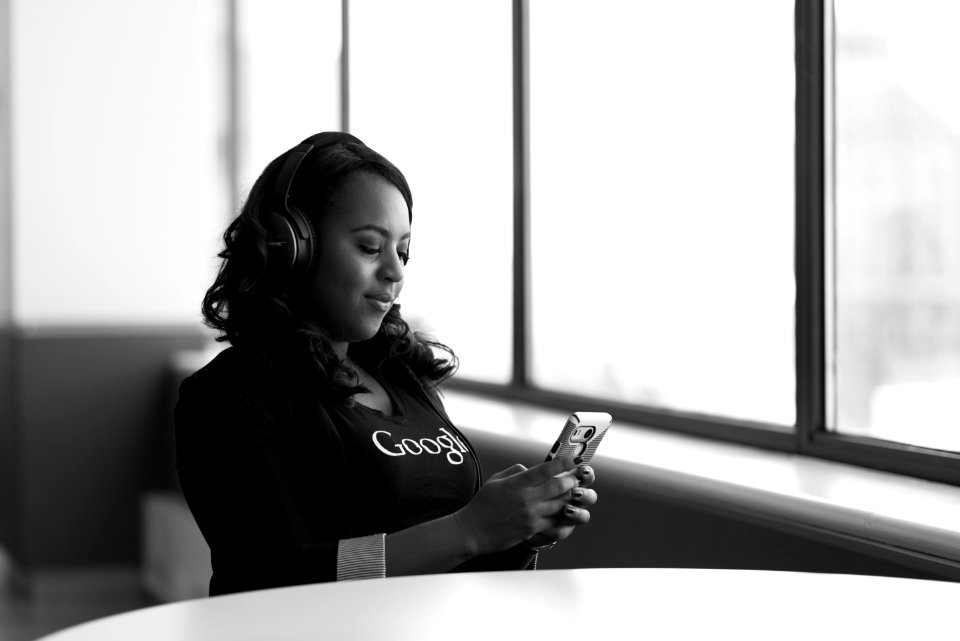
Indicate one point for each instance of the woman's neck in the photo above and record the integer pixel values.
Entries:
(341, 348)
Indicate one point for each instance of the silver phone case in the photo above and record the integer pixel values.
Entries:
(576, 439)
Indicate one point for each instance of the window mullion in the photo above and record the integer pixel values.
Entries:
(233, 107)
(809, 248)
(345, 65)
(521, 195)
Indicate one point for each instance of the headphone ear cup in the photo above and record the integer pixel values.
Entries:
(306, 242)
(290, 243)
(281, 245)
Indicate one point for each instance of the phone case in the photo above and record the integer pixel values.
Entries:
(581, 435)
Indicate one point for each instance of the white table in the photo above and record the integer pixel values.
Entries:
(577, 604)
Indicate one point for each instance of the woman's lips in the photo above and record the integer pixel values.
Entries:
(382, 303)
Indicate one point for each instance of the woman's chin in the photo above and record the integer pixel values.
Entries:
(365, 333)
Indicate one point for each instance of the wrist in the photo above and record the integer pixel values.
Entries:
(468, 542)
(539, 543)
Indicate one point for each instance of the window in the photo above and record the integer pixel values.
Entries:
(733, 219)
(288, 54)
(897, 222)
(430, 89)
(661, 204)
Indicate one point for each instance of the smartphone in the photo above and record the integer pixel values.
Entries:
(581, 435)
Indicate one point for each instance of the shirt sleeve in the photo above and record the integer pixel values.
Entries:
(362, 558)
(245, 496)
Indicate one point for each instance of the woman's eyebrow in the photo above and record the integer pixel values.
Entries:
(380, 230)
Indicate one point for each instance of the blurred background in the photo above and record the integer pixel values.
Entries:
(661, 205)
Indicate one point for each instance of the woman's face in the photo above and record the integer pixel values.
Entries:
(362, 248)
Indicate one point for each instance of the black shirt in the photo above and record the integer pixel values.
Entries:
(275, 473)
(404, 469)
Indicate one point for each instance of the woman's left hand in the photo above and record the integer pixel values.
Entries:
(575, 513)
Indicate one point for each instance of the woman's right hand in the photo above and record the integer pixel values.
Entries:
(515, 504)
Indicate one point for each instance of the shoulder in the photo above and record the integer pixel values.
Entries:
(238, 364)
(239, 379)
(272, 385)
(241, 368)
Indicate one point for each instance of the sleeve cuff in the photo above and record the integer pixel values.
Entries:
(361, 558)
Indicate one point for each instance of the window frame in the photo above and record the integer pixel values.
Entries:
(813, 38)
(813, 25)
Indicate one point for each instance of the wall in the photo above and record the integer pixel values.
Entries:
(117, 139)
(87, 440)
(112, 199)
(9, 462)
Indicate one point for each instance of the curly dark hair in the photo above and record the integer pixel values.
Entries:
(247, 305)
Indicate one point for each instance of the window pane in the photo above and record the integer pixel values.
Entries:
(897, 221)
(430, 88)
(662, 203)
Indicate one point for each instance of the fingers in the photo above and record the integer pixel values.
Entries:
(546, 471)
(557, 487)
(517, 503)
(564, 512)
(581, 496)
(570, 509)
(510, 471)
(561, 468)
(563, 526)
(582, 476)
(586, 475)
(560, 526)
(574, 515)
(567, 501)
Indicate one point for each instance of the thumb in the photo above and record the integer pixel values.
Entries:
(550, 469)
(510, 471)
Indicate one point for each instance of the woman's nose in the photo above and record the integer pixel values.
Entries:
(392, 268)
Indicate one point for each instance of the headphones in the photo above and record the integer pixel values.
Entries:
(291, 238)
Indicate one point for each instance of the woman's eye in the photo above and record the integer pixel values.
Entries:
(373, 251)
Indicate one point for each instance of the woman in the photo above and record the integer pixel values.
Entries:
(315, 447)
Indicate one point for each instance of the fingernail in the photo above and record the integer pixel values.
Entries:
(577, 493)
(570, 510)
(578, 460)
